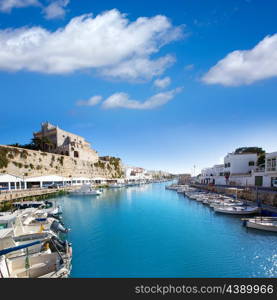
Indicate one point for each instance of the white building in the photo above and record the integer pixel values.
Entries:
(238, 169)
(214, 175)
(270, 169)
(240, 163)
(11, 182)
(136, 174)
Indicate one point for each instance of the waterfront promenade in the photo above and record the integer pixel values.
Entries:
(20, 194)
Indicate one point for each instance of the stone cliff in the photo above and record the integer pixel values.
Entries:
(30, 163)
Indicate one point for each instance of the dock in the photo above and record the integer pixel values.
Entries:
(23, 193)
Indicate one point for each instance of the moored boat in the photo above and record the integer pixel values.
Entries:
(116, 185)
(262, 223)
(47, 263)
(86, 189)
(237, 210)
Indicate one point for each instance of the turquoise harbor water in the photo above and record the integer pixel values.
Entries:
(148, 231)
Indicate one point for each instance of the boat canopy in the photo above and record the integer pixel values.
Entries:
(12, 249)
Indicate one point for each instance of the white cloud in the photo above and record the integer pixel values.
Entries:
(7, 5)
(109, 43)
(139, 68)
(122, 100)
(55, 9)
(245, 67)
(90, 102)
(162, 82)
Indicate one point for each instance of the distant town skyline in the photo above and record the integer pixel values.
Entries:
(171, 87)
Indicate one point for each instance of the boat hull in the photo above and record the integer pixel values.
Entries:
(260, 226)
(236, 212)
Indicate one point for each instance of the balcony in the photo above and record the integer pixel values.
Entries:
(259, 170)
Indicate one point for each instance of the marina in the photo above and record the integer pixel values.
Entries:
(150, 231)
(138, 148)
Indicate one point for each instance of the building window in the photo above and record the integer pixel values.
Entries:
(271, 164)
(251, 163)
(268, 164)
(76, 154)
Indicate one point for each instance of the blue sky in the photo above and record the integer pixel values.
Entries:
(158, 85)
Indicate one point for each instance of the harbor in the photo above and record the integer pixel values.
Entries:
(155, 229)
(138, 148)
(66, 211)
(150, 231)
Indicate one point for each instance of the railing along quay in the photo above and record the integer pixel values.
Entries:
(22, 193)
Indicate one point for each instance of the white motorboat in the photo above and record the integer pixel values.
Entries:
(45, 263)
(237, 210)
(44, 206)
(116, 185)
(29, 221)
(86, 190)
(262, 223)
(9, 240)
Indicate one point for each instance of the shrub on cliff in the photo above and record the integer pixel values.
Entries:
(3, 158)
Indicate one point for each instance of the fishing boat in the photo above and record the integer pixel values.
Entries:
(262, 223)
(86, 190)
(237, 210)
(226, 204)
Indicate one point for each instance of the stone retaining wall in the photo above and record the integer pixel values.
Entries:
(30, 163)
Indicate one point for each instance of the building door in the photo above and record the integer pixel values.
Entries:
(258, 180)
